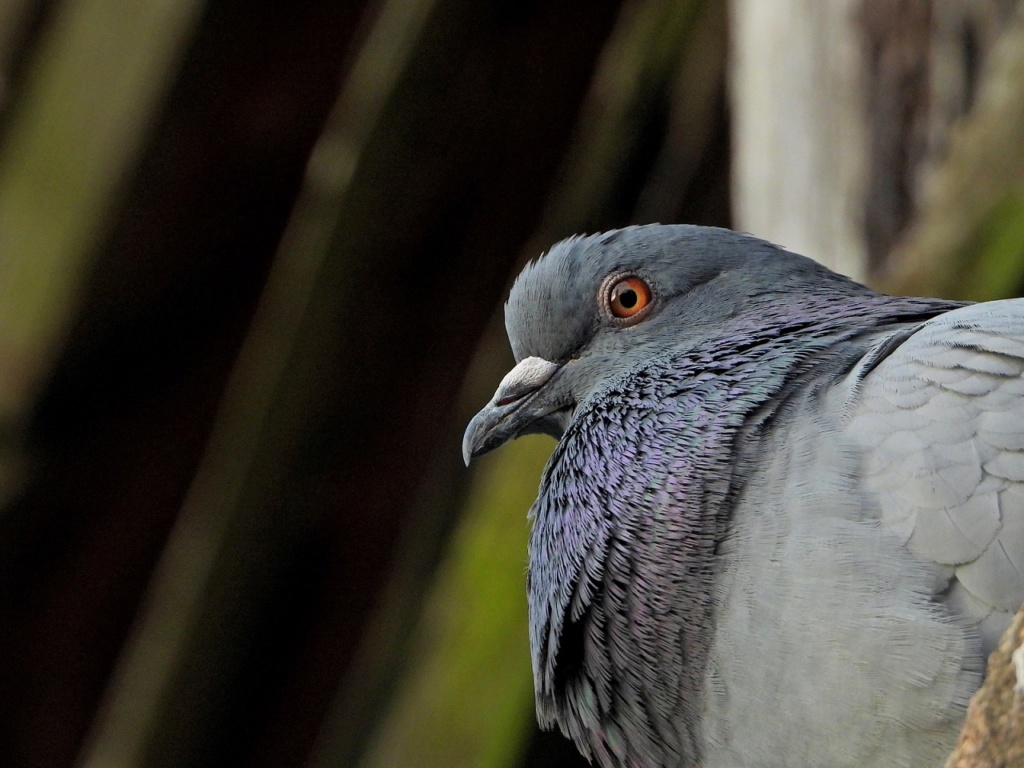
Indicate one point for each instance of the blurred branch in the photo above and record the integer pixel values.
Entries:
(243, 461)
(97, 78)
(640, 62)
(15, 17)
(968, 241)
(695, 123)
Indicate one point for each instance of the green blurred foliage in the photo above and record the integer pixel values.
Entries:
(466, 699)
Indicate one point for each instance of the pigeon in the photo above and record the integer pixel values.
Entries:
(783, 522)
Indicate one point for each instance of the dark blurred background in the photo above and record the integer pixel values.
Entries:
(252, 256)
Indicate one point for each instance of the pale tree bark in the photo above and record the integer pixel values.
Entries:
(799, 135)
(994, 734)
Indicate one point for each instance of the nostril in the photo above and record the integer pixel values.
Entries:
(508, 399)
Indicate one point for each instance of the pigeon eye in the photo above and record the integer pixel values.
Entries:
(626, 298)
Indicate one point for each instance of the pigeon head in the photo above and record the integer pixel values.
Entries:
(597, 308)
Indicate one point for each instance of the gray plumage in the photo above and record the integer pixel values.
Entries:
(784, 520)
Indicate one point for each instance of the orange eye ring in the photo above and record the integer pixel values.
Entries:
(627, 298)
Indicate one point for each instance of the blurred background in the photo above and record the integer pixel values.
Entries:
(252, 256)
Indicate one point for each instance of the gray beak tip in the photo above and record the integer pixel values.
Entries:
(470, 440)
(502, 418)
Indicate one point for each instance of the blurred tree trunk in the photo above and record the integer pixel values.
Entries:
(799, 131)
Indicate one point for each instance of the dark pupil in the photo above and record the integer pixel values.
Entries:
(628, 298)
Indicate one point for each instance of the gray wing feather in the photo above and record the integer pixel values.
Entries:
(941, 420)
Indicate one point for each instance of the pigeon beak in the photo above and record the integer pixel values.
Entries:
(512, 410)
